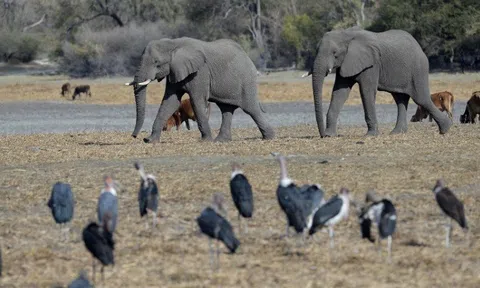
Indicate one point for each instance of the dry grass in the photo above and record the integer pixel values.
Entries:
(402, 167)
(276, 87)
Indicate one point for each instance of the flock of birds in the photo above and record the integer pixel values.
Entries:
(305, 208)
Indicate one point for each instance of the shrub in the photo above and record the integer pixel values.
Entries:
(18, 46)
(108, 53)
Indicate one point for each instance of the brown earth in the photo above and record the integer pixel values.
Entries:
(402, 167)
(275, 87)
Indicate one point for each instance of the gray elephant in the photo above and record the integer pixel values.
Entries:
(390, 61)
(218, 71)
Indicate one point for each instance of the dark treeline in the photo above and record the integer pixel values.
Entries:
(106, 37)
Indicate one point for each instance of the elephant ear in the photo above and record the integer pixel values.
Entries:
(185, 61)
(360, 56)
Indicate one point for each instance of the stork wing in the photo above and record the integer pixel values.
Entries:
(451, 206)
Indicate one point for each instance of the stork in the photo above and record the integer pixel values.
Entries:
(451, 206)
(330, 213)
(215, 226)
(81, 281)
(382, 213)
(147, 195)
(242, 195)
(99, 241)
(62, 204)
(108, 203)
(299, 204)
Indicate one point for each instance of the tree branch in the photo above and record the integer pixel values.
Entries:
(35, 24)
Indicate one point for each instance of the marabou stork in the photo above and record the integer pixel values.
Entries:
(382, 213)
(215, 226)
(451, 206)
(99, 241)
(332, 212)
(108, 203)
(62, 204)
(147, 195)
(242, 195)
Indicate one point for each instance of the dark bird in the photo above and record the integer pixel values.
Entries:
(299, 204)
(147, 195)
(215, 226)
(330, 213)
(242, 195)
(99, 241)
(383, 214)
(62, 204)
(108, 203)
(81, 281)
(451, 206)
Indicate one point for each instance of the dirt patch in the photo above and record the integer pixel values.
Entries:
(402, 167)
(275, 87)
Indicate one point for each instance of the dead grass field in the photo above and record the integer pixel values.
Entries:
(402, 167)
(276, 87)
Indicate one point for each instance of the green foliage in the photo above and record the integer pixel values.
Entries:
(17, 46)
(297, 30)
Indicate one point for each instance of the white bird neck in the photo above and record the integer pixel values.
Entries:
(285, 182)
(109, 190)
(235, 173)
(437, 189)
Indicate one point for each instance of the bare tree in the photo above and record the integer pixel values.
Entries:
(99, 8)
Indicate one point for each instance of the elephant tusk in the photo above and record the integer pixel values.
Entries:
(144, 83)
(306, 74)
(329, 70)
(129, 83)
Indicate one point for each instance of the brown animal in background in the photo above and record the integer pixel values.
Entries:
(185, 113)
(442, 100)
(472, 109)
(81, 89)
(65, 89)
(174, 120)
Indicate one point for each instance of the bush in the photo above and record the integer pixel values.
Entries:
(18, 46)
(108, 53)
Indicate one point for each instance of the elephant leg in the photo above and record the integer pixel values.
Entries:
(257, 115)
(421, 96)
(442, 120)
(198, 105)
(402, 105)
(225, 133)
(170, 103)
(368, 83)
(341, 90)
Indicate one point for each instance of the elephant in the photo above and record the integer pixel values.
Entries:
(219, 71)
(390, 61)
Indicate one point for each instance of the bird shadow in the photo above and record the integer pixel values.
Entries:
(91, 143)
(414, 243)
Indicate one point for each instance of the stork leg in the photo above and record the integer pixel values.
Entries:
(449, 229)
(218, 253)
(210, 251)
(389, 239)
(93, 270)
(245, 226)
(331, 234)
(154, 219)
(240, 224)
(103, 276)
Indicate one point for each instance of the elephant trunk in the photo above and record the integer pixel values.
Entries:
(318, 77)
(140, 100)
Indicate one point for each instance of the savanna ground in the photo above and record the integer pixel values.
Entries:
(403, 168)
(275, 87)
